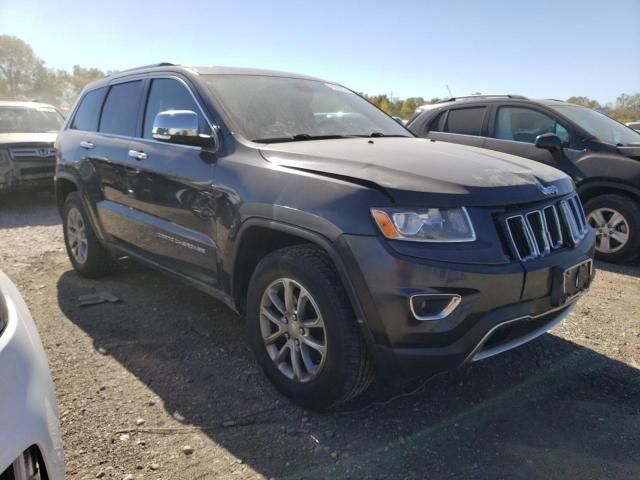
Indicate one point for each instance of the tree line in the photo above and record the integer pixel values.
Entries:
(23, 75)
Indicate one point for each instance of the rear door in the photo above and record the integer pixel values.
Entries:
(108, 150)
(459, 124)
(513, 129)
(75, 145)
(172, 200)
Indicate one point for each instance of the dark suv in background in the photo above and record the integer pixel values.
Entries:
(28, 131)
(350, 246)
(601, 155)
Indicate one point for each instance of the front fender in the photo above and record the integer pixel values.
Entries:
(327, 244)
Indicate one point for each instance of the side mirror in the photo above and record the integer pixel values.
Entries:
(549, 141)
(400, 120)
(181, 127)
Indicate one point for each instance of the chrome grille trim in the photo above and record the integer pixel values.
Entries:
(558, 241)
(517, 226)
(32, 153)
(538, 232)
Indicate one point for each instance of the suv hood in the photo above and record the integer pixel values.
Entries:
(415, 170)
(27, 138)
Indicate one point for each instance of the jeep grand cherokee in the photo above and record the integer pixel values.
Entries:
(350, 246)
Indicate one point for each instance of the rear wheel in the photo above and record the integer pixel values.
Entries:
(303, 331)
(88, 257)
(616, 220)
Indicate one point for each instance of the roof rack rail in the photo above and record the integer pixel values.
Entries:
(453, 99)
(142, 67)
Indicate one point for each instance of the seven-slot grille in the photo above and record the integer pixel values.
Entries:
(537, 233)
(32, 154)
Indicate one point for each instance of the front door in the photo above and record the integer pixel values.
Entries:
(172, 201)
(514, 130)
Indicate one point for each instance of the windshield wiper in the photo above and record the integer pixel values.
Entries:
(380, 134)
(300, 137)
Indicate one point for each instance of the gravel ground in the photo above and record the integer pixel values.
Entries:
(163, 386)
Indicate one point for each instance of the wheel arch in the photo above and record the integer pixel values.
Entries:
(257, 237)
(64, 185)
(590, 189)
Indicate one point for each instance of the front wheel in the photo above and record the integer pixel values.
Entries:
(303, 331)
(616, 221)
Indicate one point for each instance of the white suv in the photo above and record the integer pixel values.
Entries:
(30, 442)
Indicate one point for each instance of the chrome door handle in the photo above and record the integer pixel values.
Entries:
(137, 155)
(87, 145)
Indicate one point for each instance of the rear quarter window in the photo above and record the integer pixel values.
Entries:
(88, 112)
(437, 124)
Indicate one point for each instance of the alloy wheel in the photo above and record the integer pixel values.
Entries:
(77, 236)
(293, 330)
(612, 229)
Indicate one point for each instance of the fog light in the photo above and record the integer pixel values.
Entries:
(434, 306)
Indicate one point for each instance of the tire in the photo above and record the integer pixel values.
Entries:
(345, 370)
(626, 215)
(93, 260)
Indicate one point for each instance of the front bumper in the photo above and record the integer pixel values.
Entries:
(502, 305)
(28, 408)
(28, 176)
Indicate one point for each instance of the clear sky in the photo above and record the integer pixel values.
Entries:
(413, 48)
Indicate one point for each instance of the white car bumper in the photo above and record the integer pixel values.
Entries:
(28, 409)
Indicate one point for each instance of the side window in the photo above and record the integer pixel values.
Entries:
(88, 113)
(120, 111)
(562, 133)
(437, 124)
(465, 121)
(169, 94)
(524, 125)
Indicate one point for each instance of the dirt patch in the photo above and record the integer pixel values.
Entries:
(163, 386)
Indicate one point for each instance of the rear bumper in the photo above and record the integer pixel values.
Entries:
(501, 306)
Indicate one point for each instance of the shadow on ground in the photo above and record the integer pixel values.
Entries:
(550, 409)
(631, 269)
(29, 208)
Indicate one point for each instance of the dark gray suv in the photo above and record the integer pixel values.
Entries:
(601, 155)
(351, 247)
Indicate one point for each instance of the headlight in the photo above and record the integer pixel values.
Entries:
(4, 158)
(425, 224)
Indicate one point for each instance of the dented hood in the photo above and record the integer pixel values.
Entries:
(415, 170)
